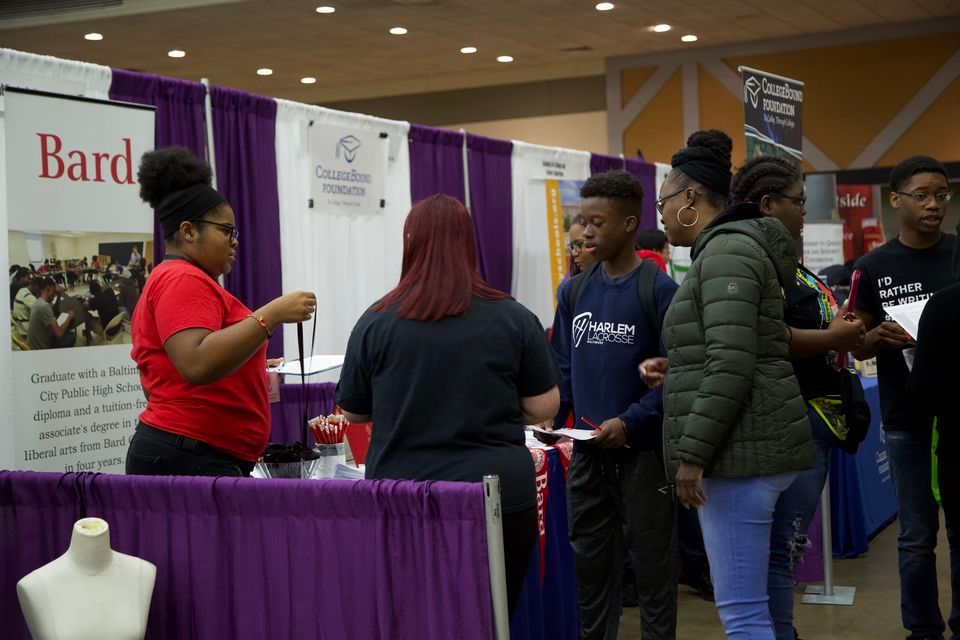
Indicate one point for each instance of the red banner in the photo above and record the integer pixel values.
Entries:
(542, 472)
(854, 205)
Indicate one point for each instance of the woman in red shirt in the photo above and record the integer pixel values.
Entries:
(201, 353)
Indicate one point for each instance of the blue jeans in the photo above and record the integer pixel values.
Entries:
(909, 453)
(737, 522)
(791, 519)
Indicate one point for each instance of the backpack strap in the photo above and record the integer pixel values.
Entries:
(646, 288)
(579, 281)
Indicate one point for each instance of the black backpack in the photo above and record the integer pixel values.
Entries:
(646, 289)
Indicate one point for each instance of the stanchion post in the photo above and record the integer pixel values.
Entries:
(495, 557)
(827, 593)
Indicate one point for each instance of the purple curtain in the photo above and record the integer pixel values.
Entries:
(288, 413)
(436, 163)
(246, 558)
(491, 204)
(646, 173)
(179, 116)
(600, 163)
(244, 133)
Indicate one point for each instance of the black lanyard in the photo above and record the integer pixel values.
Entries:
(304, 424)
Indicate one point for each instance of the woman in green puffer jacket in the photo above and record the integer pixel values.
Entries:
(735, 426)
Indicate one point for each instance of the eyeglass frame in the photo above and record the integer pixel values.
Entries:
(233, 231)
(947, 196)
(800, 201)
(662, 201)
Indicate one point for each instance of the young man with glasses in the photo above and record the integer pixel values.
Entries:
(911, 267)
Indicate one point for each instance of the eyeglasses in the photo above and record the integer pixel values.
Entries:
(231, 230)
(662, 201)
(797, 200)
(922, 197)
(575, 247)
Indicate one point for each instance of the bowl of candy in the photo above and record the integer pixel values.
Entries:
(288, 461)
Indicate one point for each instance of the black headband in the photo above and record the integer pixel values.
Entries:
(186, 205)
(709, 167)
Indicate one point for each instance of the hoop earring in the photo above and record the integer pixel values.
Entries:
(695, 220)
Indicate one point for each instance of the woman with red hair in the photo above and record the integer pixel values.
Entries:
(449, 370)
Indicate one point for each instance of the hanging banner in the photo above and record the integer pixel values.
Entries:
(349, 167)
(71, 190)
(773, 115)
(854, 205)
(822, 245)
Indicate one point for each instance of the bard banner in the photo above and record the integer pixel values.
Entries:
(349, 169)
(73, 219)
(773, 115)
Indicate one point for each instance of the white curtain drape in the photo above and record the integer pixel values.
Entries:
(679, 256)
(349, 261)
(46, 73)
(532, 264)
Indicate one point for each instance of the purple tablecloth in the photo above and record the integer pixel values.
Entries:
(247, 558)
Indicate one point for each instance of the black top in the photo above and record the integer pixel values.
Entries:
(934, 378)
(896, 274)
(808, 304)
(445, 396)
(105, 304)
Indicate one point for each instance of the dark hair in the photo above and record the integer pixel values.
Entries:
(439, 275)
(22, 272)
(652, 239)
(14, 268)
(164, 171)
(46, 282)
(94, 287)
(36, 282)
(763, 176)
(720, 148)
(578, 219)
(911, 167)
(618, 185)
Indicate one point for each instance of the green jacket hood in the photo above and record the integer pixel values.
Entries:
(769, 233)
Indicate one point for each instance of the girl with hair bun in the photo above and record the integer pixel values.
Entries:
(201, 353)
(735, 429)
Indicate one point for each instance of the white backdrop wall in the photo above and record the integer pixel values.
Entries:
(532, 165)
(679, 256)
(349, 261)
(47, 74)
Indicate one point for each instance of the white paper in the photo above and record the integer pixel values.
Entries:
(312, 365)
(907, 316)
(575, 434)
(62, 319)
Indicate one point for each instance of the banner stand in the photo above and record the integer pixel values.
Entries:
(827, 593)
(495, 557)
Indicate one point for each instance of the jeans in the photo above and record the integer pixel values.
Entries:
(909, 453)
(737, 522)
(791, 519)
(618, 499)
(948, 472)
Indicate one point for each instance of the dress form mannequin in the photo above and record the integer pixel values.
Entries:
(89, 592)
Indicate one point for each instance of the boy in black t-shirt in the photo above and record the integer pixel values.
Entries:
(911, 267)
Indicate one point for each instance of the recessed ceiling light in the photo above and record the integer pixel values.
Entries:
(468, 50)
(689, 38)
(398, 31)
(504, 58)
(325, 9)
(661, 28)
(93, 36)
(264, 72)
(176, 53)
(308, 80)
(604, 6)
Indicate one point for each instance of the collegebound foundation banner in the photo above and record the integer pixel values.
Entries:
(71, 201)
(773, 115)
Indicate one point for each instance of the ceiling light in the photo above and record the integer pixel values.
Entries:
(93, 36)
(264, 72)
(604, 6)
(468, 50)
(176, 53)
(308, 80)
(325, 9)
(689, 38)
(398, 31)
(504, 58)
(661, 28)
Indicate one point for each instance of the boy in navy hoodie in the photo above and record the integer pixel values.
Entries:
(618, 492)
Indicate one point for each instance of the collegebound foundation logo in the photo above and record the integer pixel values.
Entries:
(751, 91)
(347, 146)
(601, 332)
